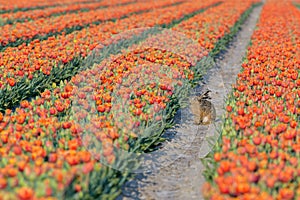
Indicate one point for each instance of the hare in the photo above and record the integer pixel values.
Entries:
(203, 110)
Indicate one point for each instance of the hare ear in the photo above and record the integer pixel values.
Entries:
(203, 96)
(207, 92)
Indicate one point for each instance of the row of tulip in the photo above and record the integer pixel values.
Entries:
(20, 32)
(258, 153)
(27, 69)
(7, 6)
(212, 24)
(21, 16)
(51, 145)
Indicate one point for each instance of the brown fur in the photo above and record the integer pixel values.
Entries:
(203, 110)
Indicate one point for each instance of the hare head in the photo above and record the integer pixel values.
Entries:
(204, 96)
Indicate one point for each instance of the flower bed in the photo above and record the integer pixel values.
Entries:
(42, 139)
(257, 155)
(19, 33)
(7, 6)
(22, 16)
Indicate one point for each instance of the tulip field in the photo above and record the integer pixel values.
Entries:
(83, 80)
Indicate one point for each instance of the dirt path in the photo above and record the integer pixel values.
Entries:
(182, 178)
